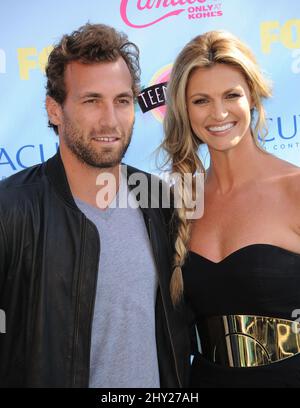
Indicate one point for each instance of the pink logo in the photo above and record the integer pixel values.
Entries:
(148, 5)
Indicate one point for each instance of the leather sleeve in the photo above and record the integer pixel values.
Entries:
(3, 253)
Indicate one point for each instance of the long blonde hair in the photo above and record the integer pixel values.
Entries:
(180, 143)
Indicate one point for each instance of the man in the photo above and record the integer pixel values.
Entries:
(86, 289)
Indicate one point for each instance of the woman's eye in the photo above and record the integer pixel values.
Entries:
(233, 95)
(199, 101)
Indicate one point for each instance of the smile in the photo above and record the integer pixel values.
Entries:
(222, 128)
(106, 139)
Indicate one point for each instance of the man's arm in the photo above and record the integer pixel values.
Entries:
(3, 253)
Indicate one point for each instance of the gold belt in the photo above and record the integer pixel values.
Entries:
(248, 341)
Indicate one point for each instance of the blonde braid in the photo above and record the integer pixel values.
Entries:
(181, 244)
(188, 166)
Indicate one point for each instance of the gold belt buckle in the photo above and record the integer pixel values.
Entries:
(251, 341)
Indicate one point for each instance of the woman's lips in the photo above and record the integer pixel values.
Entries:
(220, 129)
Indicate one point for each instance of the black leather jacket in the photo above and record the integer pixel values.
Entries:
(49, 253)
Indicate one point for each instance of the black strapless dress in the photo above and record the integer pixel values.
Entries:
(260, 280)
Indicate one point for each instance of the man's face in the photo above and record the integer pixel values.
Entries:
(96, 119)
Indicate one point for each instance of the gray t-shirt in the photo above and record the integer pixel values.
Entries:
(123, 349)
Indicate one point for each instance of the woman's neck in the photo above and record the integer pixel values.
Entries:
(233, 168)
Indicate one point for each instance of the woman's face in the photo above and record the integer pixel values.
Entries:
(219, 103)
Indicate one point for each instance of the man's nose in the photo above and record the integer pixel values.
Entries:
(109, 116)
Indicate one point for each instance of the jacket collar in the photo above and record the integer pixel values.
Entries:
(57, 175)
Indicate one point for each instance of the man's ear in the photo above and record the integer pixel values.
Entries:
(54, 111)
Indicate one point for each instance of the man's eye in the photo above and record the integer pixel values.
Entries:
(90, 101)
(124, 101)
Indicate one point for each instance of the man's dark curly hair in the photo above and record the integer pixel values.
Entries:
(90, 43)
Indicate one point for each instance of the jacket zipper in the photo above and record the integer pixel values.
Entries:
(78, 290)
(168, 327)
(93, 301)
(77, 301)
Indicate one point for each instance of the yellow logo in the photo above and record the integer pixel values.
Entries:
(30, 59)
(287, 34)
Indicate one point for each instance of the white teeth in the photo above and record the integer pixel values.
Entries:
(106, 139)
(221, 128)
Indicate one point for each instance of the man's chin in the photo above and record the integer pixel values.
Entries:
(101, 163)
(100, 160)
(104, 165)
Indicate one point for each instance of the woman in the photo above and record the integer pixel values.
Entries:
(239, 264)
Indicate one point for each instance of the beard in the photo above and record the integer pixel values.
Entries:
(84, 149)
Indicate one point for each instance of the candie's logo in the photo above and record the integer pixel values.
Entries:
(158, 10)
(153, 98)
(142, 5)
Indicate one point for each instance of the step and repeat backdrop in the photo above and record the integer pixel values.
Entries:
(160, 28)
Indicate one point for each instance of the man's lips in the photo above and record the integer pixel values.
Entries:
(109, 139)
